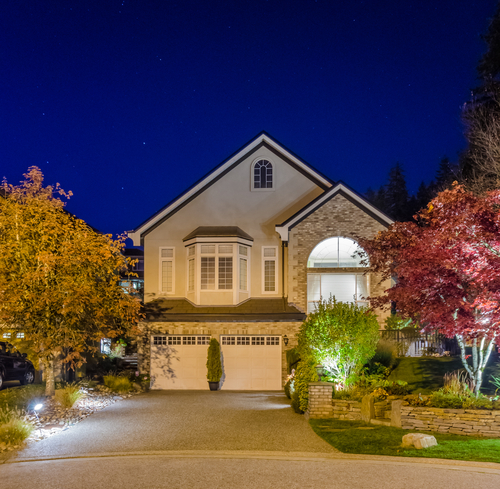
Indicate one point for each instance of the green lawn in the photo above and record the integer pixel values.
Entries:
(425, 374)
(350, 437)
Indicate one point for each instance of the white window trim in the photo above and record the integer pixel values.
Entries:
(190, 259)
(252, 166)
(358, 301)
(263, 271)
(247, 259)
(218, 255)
(160, 274)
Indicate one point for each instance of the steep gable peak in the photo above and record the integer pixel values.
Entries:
(261, 140)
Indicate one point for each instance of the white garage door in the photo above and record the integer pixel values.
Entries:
(179, 362)
(251, 362)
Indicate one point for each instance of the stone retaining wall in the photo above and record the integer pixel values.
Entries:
(346, 409)
(393, 412)
(471, 422)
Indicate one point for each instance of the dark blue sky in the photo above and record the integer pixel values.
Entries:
(128, 102)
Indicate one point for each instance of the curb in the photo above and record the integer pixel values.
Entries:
(489, 467)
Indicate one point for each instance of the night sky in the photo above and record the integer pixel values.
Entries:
(129, 102)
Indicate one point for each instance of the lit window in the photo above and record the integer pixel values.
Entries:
(6, 335)
(345, 287)
(263, 174)
(225, 272)
(243, 273)
(191, 275)
(269, 269)
(106, 345)
(335, 252)
(207, 273)
(167, 270)
(19, 336)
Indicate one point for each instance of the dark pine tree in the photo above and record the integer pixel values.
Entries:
(396, 195)
(445, 176)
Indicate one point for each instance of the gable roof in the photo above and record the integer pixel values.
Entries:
(261, 140)
(342, 189)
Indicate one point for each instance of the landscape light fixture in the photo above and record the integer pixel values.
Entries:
(37, 408)
(285, 340)
(319, 371)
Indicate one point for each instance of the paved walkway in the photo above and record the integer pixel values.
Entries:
(186, 421)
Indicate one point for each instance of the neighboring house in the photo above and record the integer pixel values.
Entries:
(243, 256)
(134, 275)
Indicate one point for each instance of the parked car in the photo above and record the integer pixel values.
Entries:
(14, 365)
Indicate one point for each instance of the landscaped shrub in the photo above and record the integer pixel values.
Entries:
(292, 359)
(304, 374)
(214, 364)
(458, 383)
(68, 395)
(14, 428)
(118, 383)
(22, 397)
(341, 336)
(385, 353)
(440, 399)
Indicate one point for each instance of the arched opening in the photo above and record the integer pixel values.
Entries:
(345, 285)
(338, 252)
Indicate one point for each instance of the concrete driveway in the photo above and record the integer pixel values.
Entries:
(176, 439)
(186, 420)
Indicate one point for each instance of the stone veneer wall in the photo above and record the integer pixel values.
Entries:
(471, 422)
(338, 217)
(346, 409)
(215, 329)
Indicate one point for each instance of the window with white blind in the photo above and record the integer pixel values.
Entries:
(225, 272)
(207, 272)
(191, 275)
(243, 274)
(269, 269)
(345, 287)
(167, 256)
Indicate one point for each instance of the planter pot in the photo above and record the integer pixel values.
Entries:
(214, 386)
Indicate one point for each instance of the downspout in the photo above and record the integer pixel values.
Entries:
(285, 299)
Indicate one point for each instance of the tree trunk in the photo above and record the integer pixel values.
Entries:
(481, 350)
(50, 386)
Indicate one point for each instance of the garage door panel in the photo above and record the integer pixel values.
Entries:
(255, 365)
(187, 361)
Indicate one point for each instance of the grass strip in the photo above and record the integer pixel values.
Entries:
(384, 440)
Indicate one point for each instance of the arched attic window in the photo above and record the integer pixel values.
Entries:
(263, 175)
(338, 252)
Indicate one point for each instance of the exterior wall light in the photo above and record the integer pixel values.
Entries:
(285, 340)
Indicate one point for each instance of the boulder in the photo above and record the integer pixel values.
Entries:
(419, 440)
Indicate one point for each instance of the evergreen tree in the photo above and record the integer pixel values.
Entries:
(396, 194)
(425, 194)
(489, 64)
(445, 176)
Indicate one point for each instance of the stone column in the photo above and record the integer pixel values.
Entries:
(367, 408)
(320, 400)
(396, 414)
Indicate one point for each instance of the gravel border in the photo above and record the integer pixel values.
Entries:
(53, 418)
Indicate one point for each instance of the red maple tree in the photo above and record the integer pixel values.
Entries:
(446, 266)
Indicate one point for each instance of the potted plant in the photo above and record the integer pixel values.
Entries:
(214, 365)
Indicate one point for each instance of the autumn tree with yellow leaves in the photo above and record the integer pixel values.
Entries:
(59, 278)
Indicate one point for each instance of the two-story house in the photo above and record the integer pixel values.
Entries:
(243, 255)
